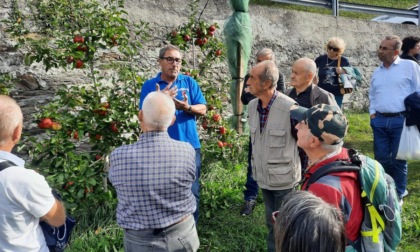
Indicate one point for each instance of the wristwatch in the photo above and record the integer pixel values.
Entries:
(189, 109)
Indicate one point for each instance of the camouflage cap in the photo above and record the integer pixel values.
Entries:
(325, 122)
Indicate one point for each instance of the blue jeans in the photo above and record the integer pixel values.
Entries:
(196, 185)
(272, 202)
(251, 186)
(386, 138)
(339, 100)
(179, 237)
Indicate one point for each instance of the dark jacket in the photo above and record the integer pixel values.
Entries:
(412, 108)
(319, 96)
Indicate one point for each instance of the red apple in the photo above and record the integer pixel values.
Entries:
(45, 123)
(187, 73)
(98, 136)
(114, 127)
(224, 144)
(212, 28)
(210, 33)
(204, 125)
(216, 117)
(218, 52)
(220, 144)
(79, 64)
(78, 39)
(98, 156)
(174, 33)
(222, 130)
(187, 38)
(70, 59)
(82, 48)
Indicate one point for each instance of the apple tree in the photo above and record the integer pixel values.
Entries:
(84, 122)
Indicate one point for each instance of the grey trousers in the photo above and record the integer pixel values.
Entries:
(180, 237)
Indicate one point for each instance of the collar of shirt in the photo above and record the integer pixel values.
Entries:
(396, 62)
(180, 77)
(11, 157)
(264, 111)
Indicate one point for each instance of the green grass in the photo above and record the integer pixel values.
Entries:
(221, 228)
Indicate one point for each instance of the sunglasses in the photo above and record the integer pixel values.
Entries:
(333, 48)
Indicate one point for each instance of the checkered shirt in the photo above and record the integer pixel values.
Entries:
(264, 111)
(153, 180)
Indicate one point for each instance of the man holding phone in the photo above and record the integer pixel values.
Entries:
(189, 103)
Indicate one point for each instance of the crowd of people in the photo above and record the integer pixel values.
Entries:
(293, 133)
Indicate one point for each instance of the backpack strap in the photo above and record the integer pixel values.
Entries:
(338, 166)
(6, 164)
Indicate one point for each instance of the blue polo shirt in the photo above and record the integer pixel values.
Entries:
(185, 126)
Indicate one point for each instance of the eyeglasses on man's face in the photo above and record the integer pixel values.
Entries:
(384, 48)
(333, 48)
(171, 60)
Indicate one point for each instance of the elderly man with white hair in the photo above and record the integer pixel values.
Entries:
(153, 179)
(25, 196)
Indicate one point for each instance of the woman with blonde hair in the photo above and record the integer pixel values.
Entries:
(328, 69)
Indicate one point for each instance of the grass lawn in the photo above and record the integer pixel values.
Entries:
(221, 228)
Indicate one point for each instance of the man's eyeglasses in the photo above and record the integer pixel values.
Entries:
(333, 48)
(384, 48)
(172, 60)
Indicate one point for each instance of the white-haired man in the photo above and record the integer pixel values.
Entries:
(25, 196)
(153, 180)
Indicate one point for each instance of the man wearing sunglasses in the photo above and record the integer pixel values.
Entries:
(189, 102)
(391, 83)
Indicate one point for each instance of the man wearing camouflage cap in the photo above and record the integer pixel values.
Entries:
(321, 130)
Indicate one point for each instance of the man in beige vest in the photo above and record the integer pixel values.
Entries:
(275, 159)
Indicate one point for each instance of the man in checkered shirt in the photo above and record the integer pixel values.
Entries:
(153, 180)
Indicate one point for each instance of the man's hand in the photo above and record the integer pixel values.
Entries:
(182, 105)
(169, 90)
(372, 116)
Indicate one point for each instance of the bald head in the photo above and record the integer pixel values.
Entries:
(11, 118)
(303, 72)
(158, 111)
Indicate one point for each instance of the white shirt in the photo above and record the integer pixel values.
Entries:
(390, 86)
(25, 196)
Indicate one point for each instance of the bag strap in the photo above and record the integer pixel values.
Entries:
(339, 61)
(338, 166)
(6, 164)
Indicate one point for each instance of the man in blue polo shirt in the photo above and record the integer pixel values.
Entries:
(189, 102)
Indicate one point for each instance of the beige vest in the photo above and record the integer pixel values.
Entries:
(275, 157)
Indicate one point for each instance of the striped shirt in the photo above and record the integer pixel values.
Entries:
(153, 180)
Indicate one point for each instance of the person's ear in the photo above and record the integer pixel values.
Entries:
(173, 120)
(314, 141)
(140, 116)
(17, 132)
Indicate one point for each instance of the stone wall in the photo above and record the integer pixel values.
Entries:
(291, 34)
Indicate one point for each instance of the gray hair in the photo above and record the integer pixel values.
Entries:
(266, 51)
(168, 48)
(303, 213)
(309, 65)
(10, 117)
(270, 72)
(397, 40)
(158, 110)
